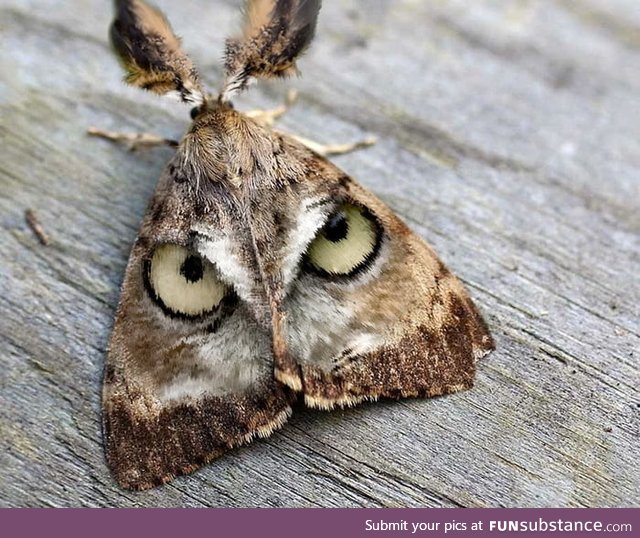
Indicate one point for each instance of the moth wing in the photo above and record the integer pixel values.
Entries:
(151, 53)
(402, 326)
(179, 391)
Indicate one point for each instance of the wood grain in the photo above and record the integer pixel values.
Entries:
(509, 138)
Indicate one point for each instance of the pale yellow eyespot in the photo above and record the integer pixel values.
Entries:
(346, 243)
(183, 282)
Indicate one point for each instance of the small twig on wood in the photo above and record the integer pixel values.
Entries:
(33, 222)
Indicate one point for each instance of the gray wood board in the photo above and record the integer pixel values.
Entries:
(509, 139)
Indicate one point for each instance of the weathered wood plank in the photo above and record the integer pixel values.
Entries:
(509, 138)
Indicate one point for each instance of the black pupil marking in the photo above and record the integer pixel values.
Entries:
(191, 269)
(194, 112)
(336, 228)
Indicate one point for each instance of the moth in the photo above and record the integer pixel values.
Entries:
(262, 273)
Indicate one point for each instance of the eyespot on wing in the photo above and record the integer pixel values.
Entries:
(347, 243)
(182, 282)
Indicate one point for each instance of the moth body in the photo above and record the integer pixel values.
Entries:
(262, 273)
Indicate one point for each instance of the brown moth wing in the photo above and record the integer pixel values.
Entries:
(178, 392)
(403, 326)
(151, 53)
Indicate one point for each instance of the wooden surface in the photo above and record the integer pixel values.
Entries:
(509, 138)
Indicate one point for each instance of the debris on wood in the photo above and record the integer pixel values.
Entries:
(34, 223)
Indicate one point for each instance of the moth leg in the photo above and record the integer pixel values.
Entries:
(133, 141)
(268, 117)
(327, 150)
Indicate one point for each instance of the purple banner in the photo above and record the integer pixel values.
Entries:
(319, 523)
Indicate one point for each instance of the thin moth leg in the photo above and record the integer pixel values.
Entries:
(133, 141)
(335, 149)
(267, 118)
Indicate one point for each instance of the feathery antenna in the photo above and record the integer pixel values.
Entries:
(276, 32)
(151, 53)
